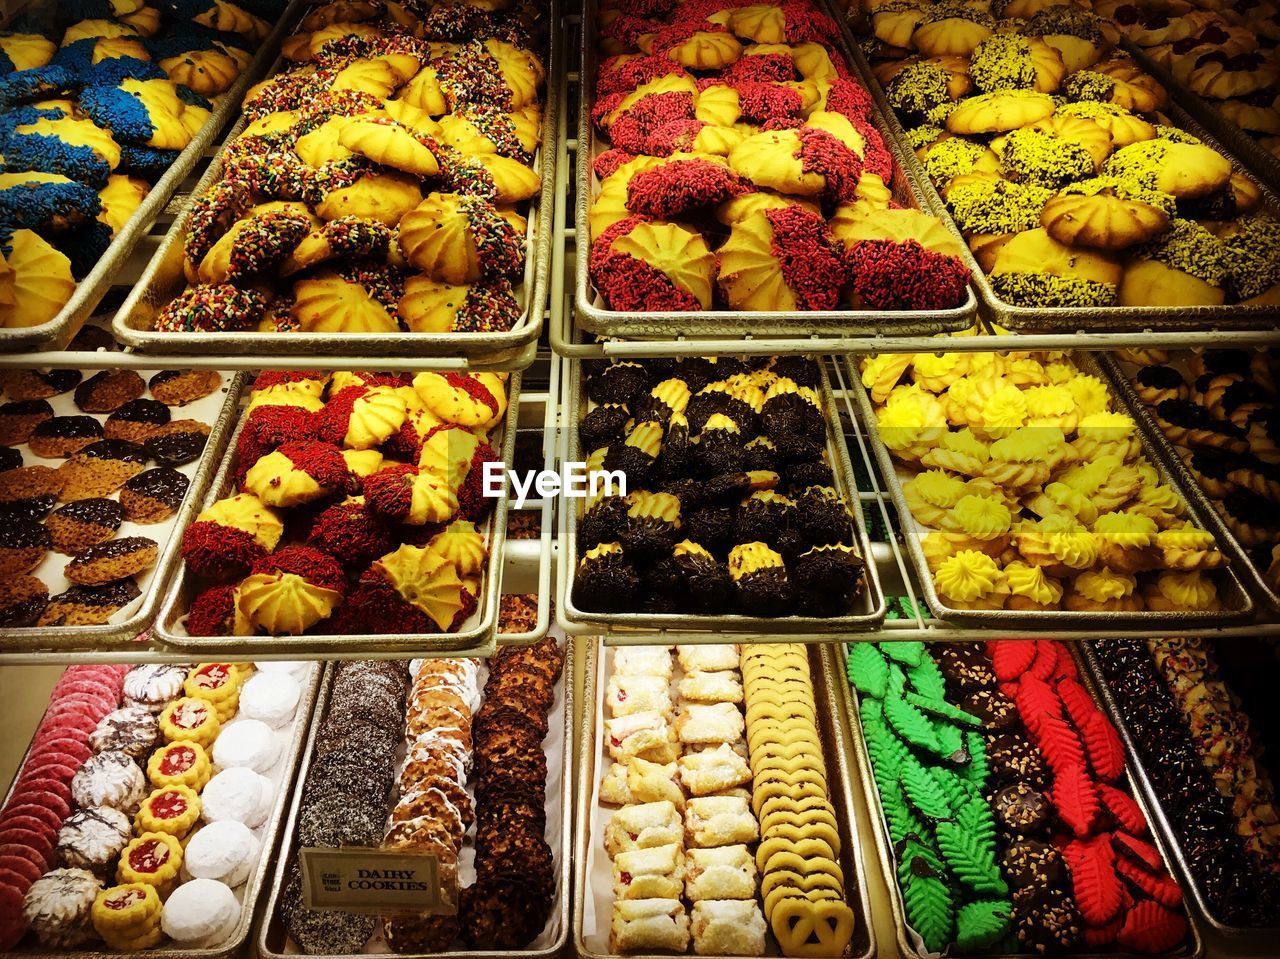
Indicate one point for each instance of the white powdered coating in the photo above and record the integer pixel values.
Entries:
(271, 698)
(237, 793)
(225, 850)
(200, 913)
(246, 742)
(109, 779)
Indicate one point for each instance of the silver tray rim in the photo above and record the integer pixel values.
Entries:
(1075, 319)
(1154, 806)
(884, 850)
(829, 729)
(1187, 481)
(57, 332)
(253, 887)
(794, 628)
(132, 327)
(320, 644)
(1030, 619)
(58, 640)
(564, 873)
(605, 322)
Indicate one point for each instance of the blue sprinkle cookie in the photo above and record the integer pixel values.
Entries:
(36, 84)
(146, 162)
(45, 202)
(77, 149)
(155, 113)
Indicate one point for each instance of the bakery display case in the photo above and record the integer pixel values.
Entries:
(929, 624)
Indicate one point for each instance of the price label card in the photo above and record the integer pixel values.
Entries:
(362, 880)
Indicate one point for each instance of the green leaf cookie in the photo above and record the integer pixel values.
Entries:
(981, 924)
(867, 669)
(972, 861)
(937, 706)
(902, 822)
(930, 910)
(926, 679)
(911, 724)
(922, 791)
(907, 653)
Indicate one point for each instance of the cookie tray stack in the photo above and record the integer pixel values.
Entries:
(79, 484)
(656, 878)
(345, 934)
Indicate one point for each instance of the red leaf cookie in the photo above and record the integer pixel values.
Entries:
(1150, 927)
(1094, 880)
(1079, 704)
(1010, 658)
(1036, 700)
(1160, 888)
(1123, 808)
(1046, 661)
(1144, 852)
(1106, 752)
(1059, 743)
(1075, 798)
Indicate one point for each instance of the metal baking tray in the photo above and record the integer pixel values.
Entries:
(56, 333)
(1187, 482)
(908, 946)
(1260, 161)
(170, 630)
(1091, 319)
(120, 636)
(836, 753)
(1239, 606)
(794, 628)
(595, 318)
(252, 888)
(272, 940)
(1156, 815)
(163, 279)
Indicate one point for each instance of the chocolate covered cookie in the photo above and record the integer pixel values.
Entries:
(108, 390)
(33, 508)
(78, 525)
(19, 419)
(61, 436)
(10, 459)
(38, 385)
(137, 421)
(181, 441)
(117, 559)
(23, 545)
(180, 387)
(22, 600)
(101, 468)
(153, 495)
(89, 605)
(28, 482)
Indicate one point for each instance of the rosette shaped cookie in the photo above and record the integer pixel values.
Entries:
(25, 51)
(298, 473)
(1185, 171)
(460, 239)
(855, 222)
(781, 260)
(472, 400)
(1034, 269)
(461, 544)
(254, 245)
(605, 581)
(905, 276)
(230, 536)
(807, 162)
(413, 590)
(351, 187)
(1106, 213)
(53, 142)
(410, 495)
(433, 306)
(288, 592)
(154, 113)
(360, 418)
(35, 280)
(356, 297)
(637, 264)
(46, 202)
(390, 143)
(1000, 112)
(456, 457)
(120, 199)
(209, 71)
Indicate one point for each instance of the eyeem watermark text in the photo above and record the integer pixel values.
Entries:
(574, 482)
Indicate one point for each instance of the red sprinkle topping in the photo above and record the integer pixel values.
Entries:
(323, 463)
(906, 276)
(352, 532)
(217, 551)
(607, 163)
(809, 257)
(619, 79)
(212, 612)
(335, 418)
(317, 568)
(849, 98)
(820, 152)
(632, 129)
(764, 67)
(628, 283)
(673, 189)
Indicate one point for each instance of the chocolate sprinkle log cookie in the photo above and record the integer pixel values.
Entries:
(153, 496)
(137, 421)
(101, 468)
(62, 436)
(182, 441)
(78, 525)
(36, 385)
(22, 600)
(180, 387)
(34, 508)
(23, 546)
(89, 605)
(113, 560)
(19, 419)
(28, 482)
(108, 390)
